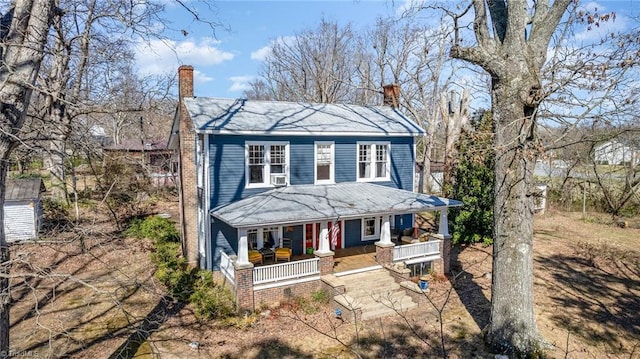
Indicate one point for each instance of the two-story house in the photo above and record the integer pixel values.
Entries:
(262, 181)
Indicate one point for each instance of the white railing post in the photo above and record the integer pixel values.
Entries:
(421, 249)
(286, 271)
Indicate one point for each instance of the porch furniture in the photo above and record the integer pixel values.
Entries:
(287, 243)
(408, 236)
(283, 254)
(268, 254)
(255, 257)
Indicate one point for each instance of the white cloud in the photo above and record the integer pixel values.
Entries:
(164, 56)
(262, 53)
(201, 77)
(240, 83)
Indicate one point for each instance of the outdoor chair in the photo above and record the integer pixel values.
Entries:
(283, 254)
(255, 257)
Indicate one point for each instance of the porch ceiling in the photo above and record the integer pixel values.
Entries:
(310, 203)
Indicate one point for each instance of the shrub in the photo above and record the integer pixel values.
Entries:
(321, 296)
(211, 301)
(154, 228)
(55, 214)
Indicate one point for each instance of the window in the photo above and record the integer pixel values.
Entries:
(373, 161)
(370, 228)
(256, 164)
(266, 163)
(252, 238)
(324, 162)
(271, 236)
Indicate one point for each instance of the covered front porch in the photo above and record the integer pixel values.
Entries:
(327, 229)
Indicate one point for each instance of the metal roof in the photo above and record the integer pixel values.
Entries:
(23, 189)
(309, 203)
(232, 116)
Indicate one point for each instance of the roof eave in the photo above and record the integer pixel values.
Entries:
(236, 224)
(308, 133)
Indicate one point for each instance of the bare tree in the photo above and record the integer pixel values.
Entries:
(313, 66)
(23, 35)
(511, 42)
(455, 114)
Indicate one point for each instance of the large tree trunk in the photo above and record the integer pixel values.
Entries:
(22, 51)
(513, 326)
(5, 295)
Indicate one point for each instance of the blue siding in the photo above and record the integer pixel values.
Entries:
(352, 233)
(227, 167)
(403, 221)
(223, 237)
(296, 238)
(227, 180)
(346, 153)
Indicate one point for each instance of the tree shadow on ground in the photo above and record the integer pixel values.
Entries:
(467, 287)
(269, 348)
(142, 330)
(600, 296)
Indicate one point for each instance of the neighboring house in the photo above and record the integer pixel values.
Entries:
(616, 153)
(310, 178)
(150, 157)
(22, 209)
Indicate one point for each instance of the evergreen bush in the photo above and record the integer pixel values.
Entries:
(474, 181)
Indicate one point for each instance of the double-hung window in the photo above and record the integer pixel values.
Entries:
(373, 161)
(266, 163)
(324, 166)
(370, 228)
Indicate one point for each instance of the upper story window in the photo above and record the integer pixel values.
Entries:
(373, 161)
(267, 164)
(324, 162)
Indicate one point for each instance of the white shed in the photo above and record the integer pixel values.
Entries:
(22, 208)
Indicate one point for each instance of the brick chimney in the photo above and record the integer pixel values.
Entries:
(185, 81)
(391, 95)
(187, 180)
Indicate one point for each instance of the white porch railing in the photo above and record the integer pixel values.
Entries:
(226, 267)
(285, 271)
(421, 249)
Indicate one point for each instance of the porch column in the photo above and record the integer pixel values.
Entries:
(324, 253)
(243, 247)
(385, 231)
(384, 247)
(444, 223)
(444, 266)
(324, 238)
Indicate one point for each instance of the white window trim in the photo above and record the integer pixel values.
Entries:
(266, 175)
(376, 227)
(332, 177)
(372, 147)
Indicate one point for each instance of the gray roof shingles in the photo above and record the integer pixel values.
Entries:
(309, 203)
(276, 117)
(23, 189)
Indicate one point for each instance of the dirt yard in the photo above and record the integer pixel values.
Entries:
(99, 299)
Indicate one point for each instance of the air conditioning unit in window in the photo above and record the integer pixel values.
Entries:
(278, 180)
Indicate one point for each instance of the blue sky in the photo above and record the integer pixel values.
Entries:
(225, 63)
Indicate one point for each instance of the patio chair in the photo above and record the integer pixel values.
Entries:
(255, 257)
(283, 254)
